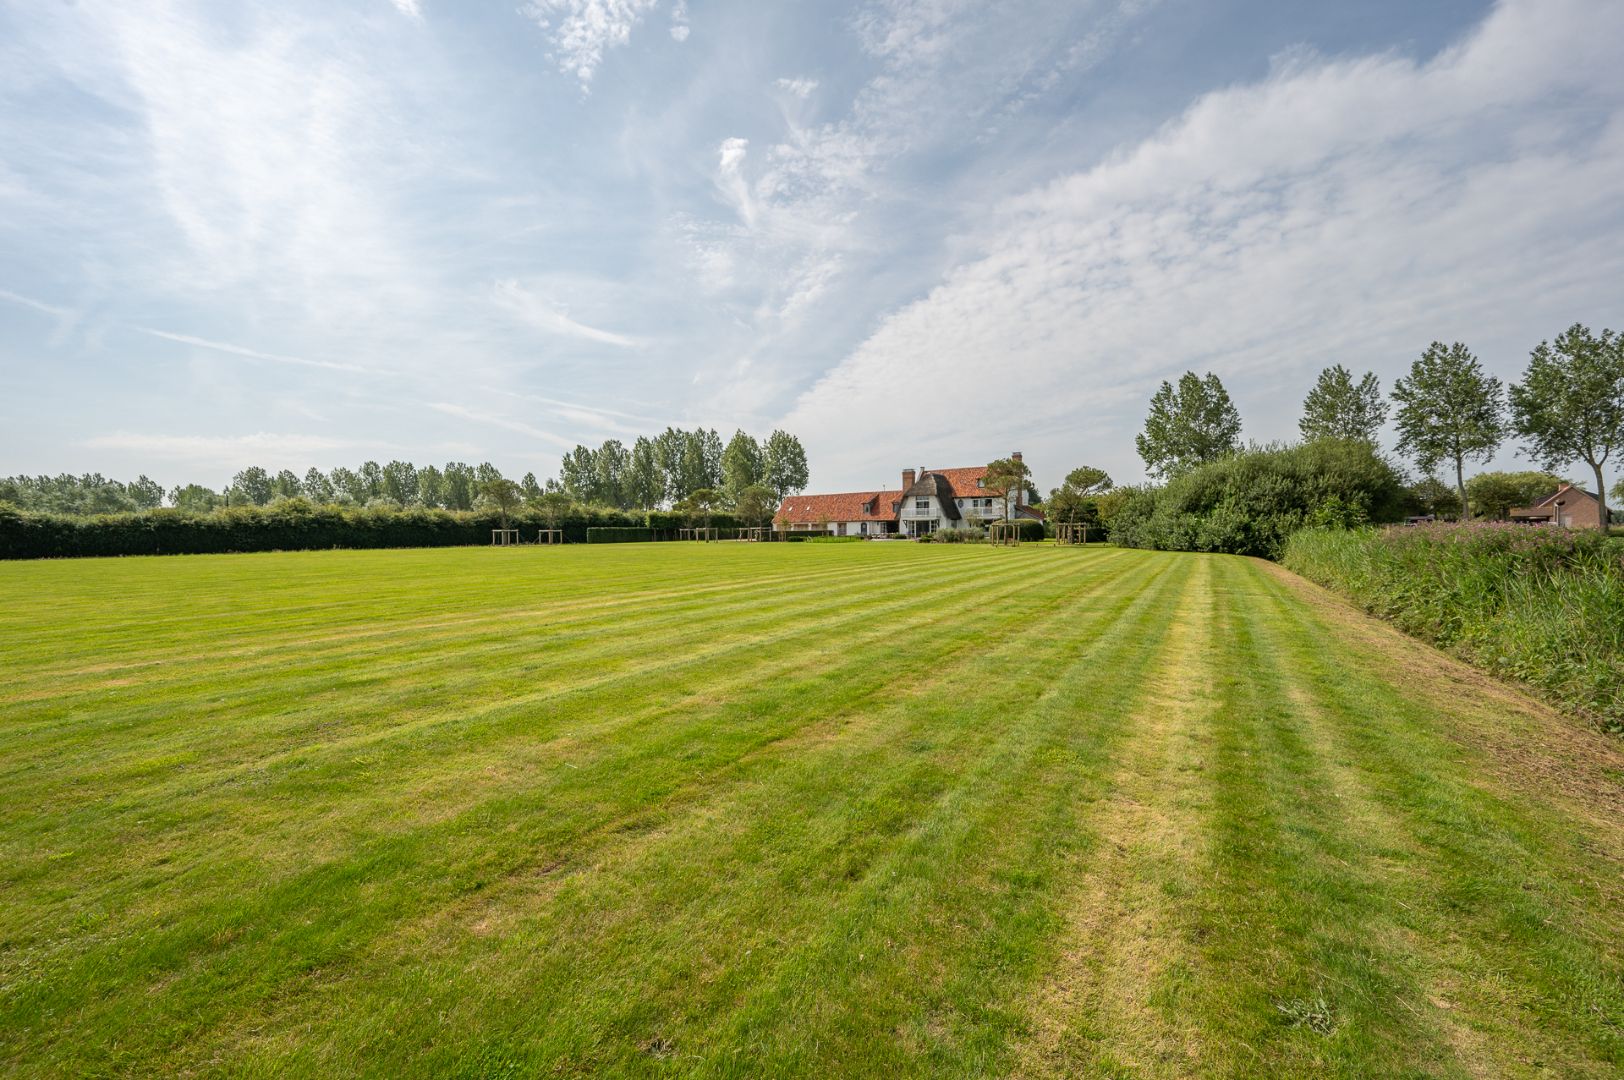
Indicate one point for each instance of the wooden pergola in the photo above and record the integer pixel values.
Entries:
(504, 537)
(1070, 532)
(756, 533)
(706, 534)
(1005, 533)
(550, 536)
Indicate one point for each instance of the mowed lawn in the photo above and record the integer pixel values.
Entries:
(781, 810)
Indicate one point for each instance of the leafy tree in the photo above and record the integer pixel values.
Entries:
(1450, 410)
(146, 493)
(552, 506)
(1011, 477)
(485, 472)
(503, 495)
(252, 485)
(1075, 500)
(710, 456)
(371, 474)
(743, 465)
(669, 448)
(1570, 405)
(430, 487)
(692, 474)
(612, 462)
(701, 504)
(399, 482)
(1339, 408)
(460, 486)
(645, 487)
(1493, 494)
(754, 505)
(1430, 495)
(784, 464)
(317, 488)
(578, 474)
(195, 498)
(529, 488)
(350, 484)
(286, 485)
(1189, 426)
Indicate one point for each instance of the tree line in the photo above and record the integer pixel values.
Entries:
(690, 469)
(1567, 408)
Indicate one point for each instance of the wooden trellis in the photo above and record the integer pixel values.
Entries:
(550, 536)
(705, 534)
(1006, 533)
(755, 534)
(1069, 533)
(504, 537)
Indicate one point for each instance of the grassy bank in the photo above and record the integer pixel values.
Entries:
(781, 810)
(1544, 606)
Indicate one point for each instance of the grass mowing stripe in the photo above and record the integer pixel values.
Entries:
(312, 890)
(1540, 917)
(434, 752)
(1108, 1004)
(846, 869)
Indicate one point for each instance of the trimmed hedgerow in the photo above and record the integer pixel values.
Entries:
(291, 525)
(610, 534)
(1534, 603)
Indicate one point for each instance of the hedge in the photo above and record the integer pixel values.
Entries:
(611, 534)
(672, 520)
(292, 525)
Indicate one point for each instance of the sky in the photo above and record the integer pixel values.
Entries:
(912, 232)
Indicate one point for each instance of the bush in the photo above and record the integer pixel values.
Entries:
(289, 525)
(1530, 602)
(834, 539)
(961, 536)
(611, 534)
(1251, 503)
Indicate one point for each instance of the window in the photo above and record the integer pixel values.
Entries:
(922, 504)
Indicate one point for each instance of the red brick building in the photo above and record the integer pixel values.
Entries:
(1567, 506)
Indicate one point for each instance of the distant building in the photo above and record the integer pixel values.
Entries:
(1567, 506)
(929, 500)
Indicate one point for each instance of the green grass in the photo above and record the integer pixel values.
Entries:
(781, 810)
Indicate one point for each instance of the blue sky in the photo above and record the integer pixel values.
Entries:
(915, 232)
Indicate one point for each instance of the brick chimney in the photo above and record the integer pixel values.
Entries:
(1016, 455)
(908, 477)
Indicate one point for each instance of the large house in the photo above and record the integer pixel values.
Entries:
(1567, 506)
(928, 500)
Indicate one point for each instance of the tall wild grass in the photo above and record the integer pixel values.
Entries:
(1538, 604)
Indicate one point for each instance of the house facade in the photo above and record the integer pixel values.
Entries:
(1568, 507)
(928, 501)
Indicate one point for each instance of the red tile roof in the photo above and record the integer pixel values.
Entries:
(964, 482)
(847, 506)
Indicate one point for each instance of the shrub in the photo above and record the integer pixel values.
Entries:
(613, 534)
(1250, 503)
(834, 539)
(1530, 602)
(672, 520)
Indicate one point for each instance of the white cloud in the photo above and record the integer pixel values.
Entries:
(409, 8)
(679, 21)
(37, 305)
(522, 304)
(581, 31)
(255, 354)
(798, 87)
(1349, 210)
(489, 419)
